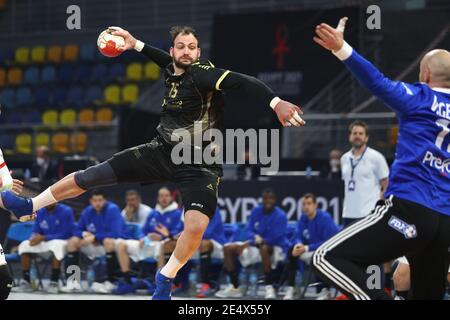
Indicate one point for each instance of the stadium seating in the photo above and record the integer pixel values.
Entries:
(22, 55)
(8, 98)
(65, 74)
(75, 96)
(70, 52)
(82, 73)
(151, 71)
(134, 71)
(24, 143)
(68, 117)
(88, 52)
(38, 54)
(23, 97)
(99, 73)
(31, 76)
(48, 74)
(130, 93)
(78, 142)
(32, 117)
(42, 97)
(60, 83)
(112, 94)
(104, 115)
(14, 76)
(42, 139)
(50, 117)
(2, 77)
(94, 95)
(54, 54)
(117, 71)
(7, 56)
(86, 116)
(60, 142)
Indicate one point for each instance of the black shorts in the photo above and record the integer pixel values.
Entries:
(151, 163)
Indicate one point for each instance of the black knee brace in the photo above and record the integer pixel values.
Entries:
(100, 175)
(6, 282)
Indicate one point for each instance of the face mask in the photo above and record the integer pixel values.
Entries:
(40, 161)
(335, 163)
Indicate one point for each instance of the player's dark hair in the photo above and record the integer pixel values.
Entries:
(310, 196)
(97, 192)
(165, 188)
(132, 192)
(269, 191)
(358, 123)
(176, 30)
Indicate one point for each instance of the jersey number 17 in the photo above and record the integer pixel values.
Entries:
(445, 131)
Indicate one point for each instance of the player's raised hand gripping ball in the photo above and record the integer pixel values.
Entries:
(130, 41)
(109, 44)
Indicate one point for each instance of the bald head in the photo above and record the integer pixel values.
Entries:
(435, 68)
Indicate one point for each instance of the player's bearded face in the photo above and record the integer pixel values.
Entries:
(185, 51)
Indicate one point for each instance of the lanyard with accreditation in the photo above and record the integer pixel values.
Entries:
(352, 183)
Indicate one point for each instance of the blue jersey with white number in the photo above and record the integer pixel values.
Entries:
(421, 170)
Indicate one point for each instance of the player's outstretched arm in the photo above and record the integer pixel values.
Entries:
(160, 57)
(395, 94)
(211, 78)
(288, 114)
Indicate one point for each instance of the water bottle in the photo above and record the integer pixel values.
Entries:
(90, 275)
(308, 172)
(34, 278)
(27, 174)
(7, 180)
(193, 281)
(253, 284)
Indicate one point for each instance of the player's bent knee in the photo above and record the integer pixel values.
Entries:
(194, 230)
(73, 244)
(122, 247)
(6, 282)
(100, 175)
(108, 244)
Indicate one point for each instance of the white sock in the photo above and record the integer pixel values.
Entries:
(171, 268)
(43, 199)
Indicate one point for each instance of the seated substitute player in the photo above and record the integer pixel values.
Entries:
(162, 225)
(314, 228)
(193, 99)
(135, 211)
(53, 226)
(414, 219)
(6, 281)
(98, 230)
(211, 247)
(267, 243)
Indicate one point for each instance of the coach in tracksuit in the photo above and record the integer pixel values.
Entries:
(414, 220)
(314, 228)
(53, 226)
(266, 242)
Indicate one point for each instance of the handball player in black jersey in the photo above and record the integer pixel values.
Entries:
(193, 103)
